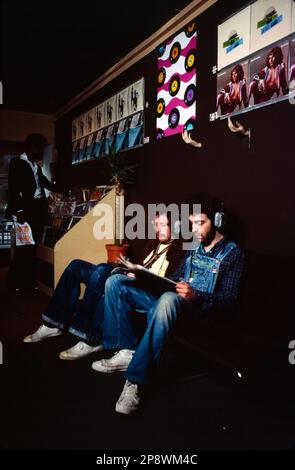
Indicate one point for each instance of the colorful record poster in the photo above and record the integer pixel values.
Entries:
(122, 104)
(110, 115)
(99, 116)
(232, 88)
(176, 83)
(234, 38)
(270, 22)
(136, 96)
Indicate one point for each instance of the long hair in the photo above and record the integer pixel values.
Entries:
(278, 55)
(240, 72)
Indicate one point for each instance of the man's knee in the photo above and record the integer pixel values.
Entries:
(114, 281)
(168, 304)
(74, 265)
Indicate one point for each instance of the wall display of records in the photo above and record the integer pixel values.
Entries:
(255, 57)
(116, 123)
(176, 84)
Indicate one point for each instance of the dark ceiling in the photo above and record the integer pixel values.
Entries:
(51, 50)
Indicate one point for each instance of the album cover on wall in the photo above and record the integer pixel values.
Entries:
(122, 134)
(110, 110)
(99, 143)
(75, 151)
(89, 121)
(109, 139)
(90, 146)
(232, 88)
(122, 104)
(99, 116)
(136, 96)
(269, 73)
(291, 76)
(74, 130)
(135, 131)
(270, 22)
(82, 149)
(176, 80)
(234, 38)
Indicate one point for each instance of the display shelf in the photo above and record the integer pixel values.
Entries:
(78, 242)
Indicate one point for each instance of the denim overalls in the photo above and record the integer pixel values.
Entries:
(201, 271)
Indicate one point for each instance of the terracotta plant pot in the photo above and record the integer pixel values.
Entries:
(114, 251)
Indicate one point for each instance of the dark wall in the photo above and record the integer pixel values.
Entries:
(256, 184)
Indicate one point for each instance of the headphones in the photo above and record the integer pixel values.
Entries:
(219, 218)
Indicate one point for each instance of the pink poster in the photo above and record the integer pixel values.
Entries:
(176, 81)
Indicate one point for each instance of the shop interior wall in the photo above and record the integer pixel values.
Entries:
(256, 183)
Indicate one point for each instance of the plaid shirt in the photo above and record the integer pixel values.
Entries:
(228, 280)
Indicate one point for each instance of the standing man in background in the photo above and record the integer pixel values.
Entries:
(27, 202)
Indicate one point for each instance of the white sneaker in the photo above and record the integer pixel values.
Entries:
(129, 400)
(43, 332)
(119, 362)
(80, 349)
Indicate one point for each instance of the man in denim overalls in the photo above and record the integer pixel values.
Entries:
(207, 281)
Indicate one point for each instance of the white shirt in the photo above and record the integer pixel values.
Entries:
(160, 266)
(34, 166)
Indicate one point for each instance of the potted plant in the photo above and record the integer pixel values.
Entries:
(119, 174)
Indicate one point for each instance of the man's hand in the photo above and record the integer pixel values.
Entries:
(131, 275)
(185, 290)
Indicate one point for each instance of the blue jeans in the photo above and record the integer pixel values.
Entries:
(83, 319)
(122, 297)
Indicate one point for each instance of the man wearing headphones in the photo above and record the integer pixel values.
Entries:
(207, 283)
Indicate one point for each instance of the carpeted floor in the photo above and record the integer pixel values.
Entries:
(47, 403)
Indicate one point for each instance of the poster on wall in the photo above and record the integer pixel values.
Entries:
(234, 38)
(99, 116)
(122, 133)
(265, 79)
(110, 109)
(136, 96)
(269, 73)
(135, 131)
(74, 130)
(90, 146)
(75, 151)
(99, 143)
(270, 22)
(82, 149)
(89, 120)
(81, 126)
(122, 104)
(176, 81)
(109, 139)
(232, 88)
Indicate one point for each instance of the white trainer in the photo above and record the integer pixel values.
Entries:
(43, 332)
(118, 362)
(80, 349)
(129, 400)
